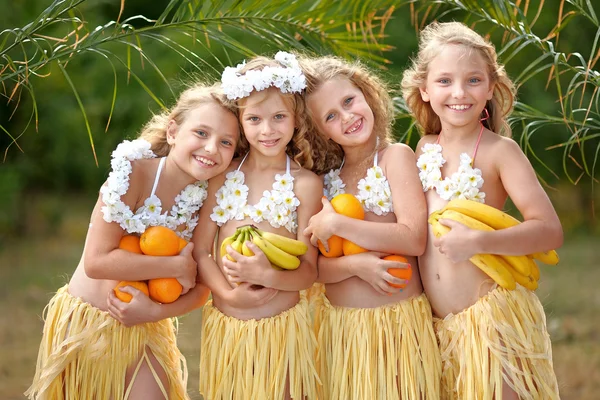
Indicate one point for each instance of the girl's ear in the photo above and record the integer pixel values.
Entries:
(491, 91)
(424, 94)
(171, 132)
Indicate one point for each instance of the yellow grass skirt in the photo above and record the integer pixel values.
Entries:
(253, 359)
(85, 353)
(384, 353)
(500, 338)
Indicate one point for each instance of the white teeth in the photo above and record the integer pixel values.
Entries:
(354, 127)
(459, 107)
(205, 161)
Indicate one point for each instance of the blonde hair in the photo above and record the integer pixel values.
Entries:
(301, 147)
(323, 69)
(433, 38)
(155, 130)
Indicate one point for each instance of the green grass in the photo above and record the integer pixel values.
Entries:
(32, 268)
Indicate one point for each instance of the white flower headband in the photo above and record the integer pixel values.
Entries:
(288, 79)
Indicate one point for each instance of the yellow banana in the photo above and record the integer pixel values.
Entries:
(489, 215)
(523, 280)
(547, 257)
(226, 242)
(245, 250)
(289, 245)
(237, 243)
(275, 255)
(535, 271)
(521, 264)
(466, 220)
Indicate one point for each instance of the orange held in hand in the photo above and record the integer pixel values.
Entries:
(164, 290)
(350, 248)
(348, 205)
(131, 243)
(126, 297)
(335, 247)
(401, 273)
(159, 241)
(182, 244)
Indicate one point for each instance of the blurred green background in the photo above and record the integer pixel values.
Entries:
(49, 182)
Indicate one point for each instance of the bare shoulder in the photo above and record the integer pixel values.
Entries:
(395, 151)
(501, 148)
(307, 180)
(427, 139)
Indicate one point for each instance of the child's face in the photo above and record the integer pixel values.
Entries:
(458, 85)
(341, 112)
(204, 144)
(268, 121)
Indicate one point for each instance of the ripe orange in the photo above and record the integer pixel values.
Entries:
(335, 247)
(402, 273)
(126, 297)
(350, 248)
(159, 241)
(348, 205)
(182, 244)
(131, 243)
(164, 290)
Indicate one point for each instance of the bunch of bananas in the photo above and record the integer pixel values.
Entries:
(505, 270)
(282, 252)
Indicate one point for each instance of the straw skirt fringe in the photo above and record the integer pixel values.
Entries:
(383, 353)
(85, 353)
(500, 338)
(253, 359)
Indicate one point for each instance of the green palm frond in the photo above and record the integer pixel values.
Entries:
(204, 35)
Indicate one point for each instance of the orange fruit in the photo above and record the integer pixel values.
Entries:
(182, 244)
(335, 247)
(164, 290)
(402, 273)
(350, 248)
(159, 241)
(348, 205)
(131, 243)
(126, 297)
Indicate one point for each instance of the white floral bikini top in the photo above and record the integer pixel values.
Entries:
(463, 184)
(277, 206)
(186, 203)
(373, 191)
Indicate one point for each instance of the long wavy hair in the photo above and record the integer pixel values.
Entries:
(433, 38)
(155, 130)
(319, 70)
(303, 145)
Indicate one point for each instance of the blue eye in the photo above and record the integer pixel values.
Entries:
(226, 143)
(348, 100)
(201, 133)
(474, 80)
(279, 116)
(444, 81)
(329, 117)
(253, 119)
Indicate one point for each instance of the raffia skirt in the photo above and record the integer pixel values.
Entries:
(85, 353)
(255, 359)
(384, 353)
(502, 337)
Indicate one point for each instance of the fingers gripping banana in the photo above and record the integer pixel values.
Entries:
(275, 255)
(289, 245)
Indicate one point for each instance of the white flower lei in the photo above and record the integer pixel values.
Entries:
(288, 79)
(463, 184)
(277, 206)
(186, 203)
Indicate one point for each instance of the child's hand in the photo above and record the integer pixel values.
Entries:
(371, 268)
(254, 269)
(188, 271)
(457, 244)
(139, 310)
(319, 225)
(247, 296)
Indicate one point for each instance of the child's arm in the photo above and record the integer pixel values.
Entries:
(257, 269)
(209, 272)
(141, 309)
(541, 229)
(104, 260)
(406, 236)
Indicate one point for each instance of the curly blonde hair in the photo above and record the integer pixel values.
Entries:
(319, 70)
(155, 130)
(302, 146)
(433, 37)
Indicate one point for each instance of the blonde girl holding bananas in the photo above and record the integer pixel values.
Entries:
(493, 341)
(375, 341)
(261, 351)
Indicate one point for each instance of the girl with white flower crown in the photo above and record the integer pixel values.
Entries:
(494, 342)
(261, 351)
(158, 179)
(375, 341)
